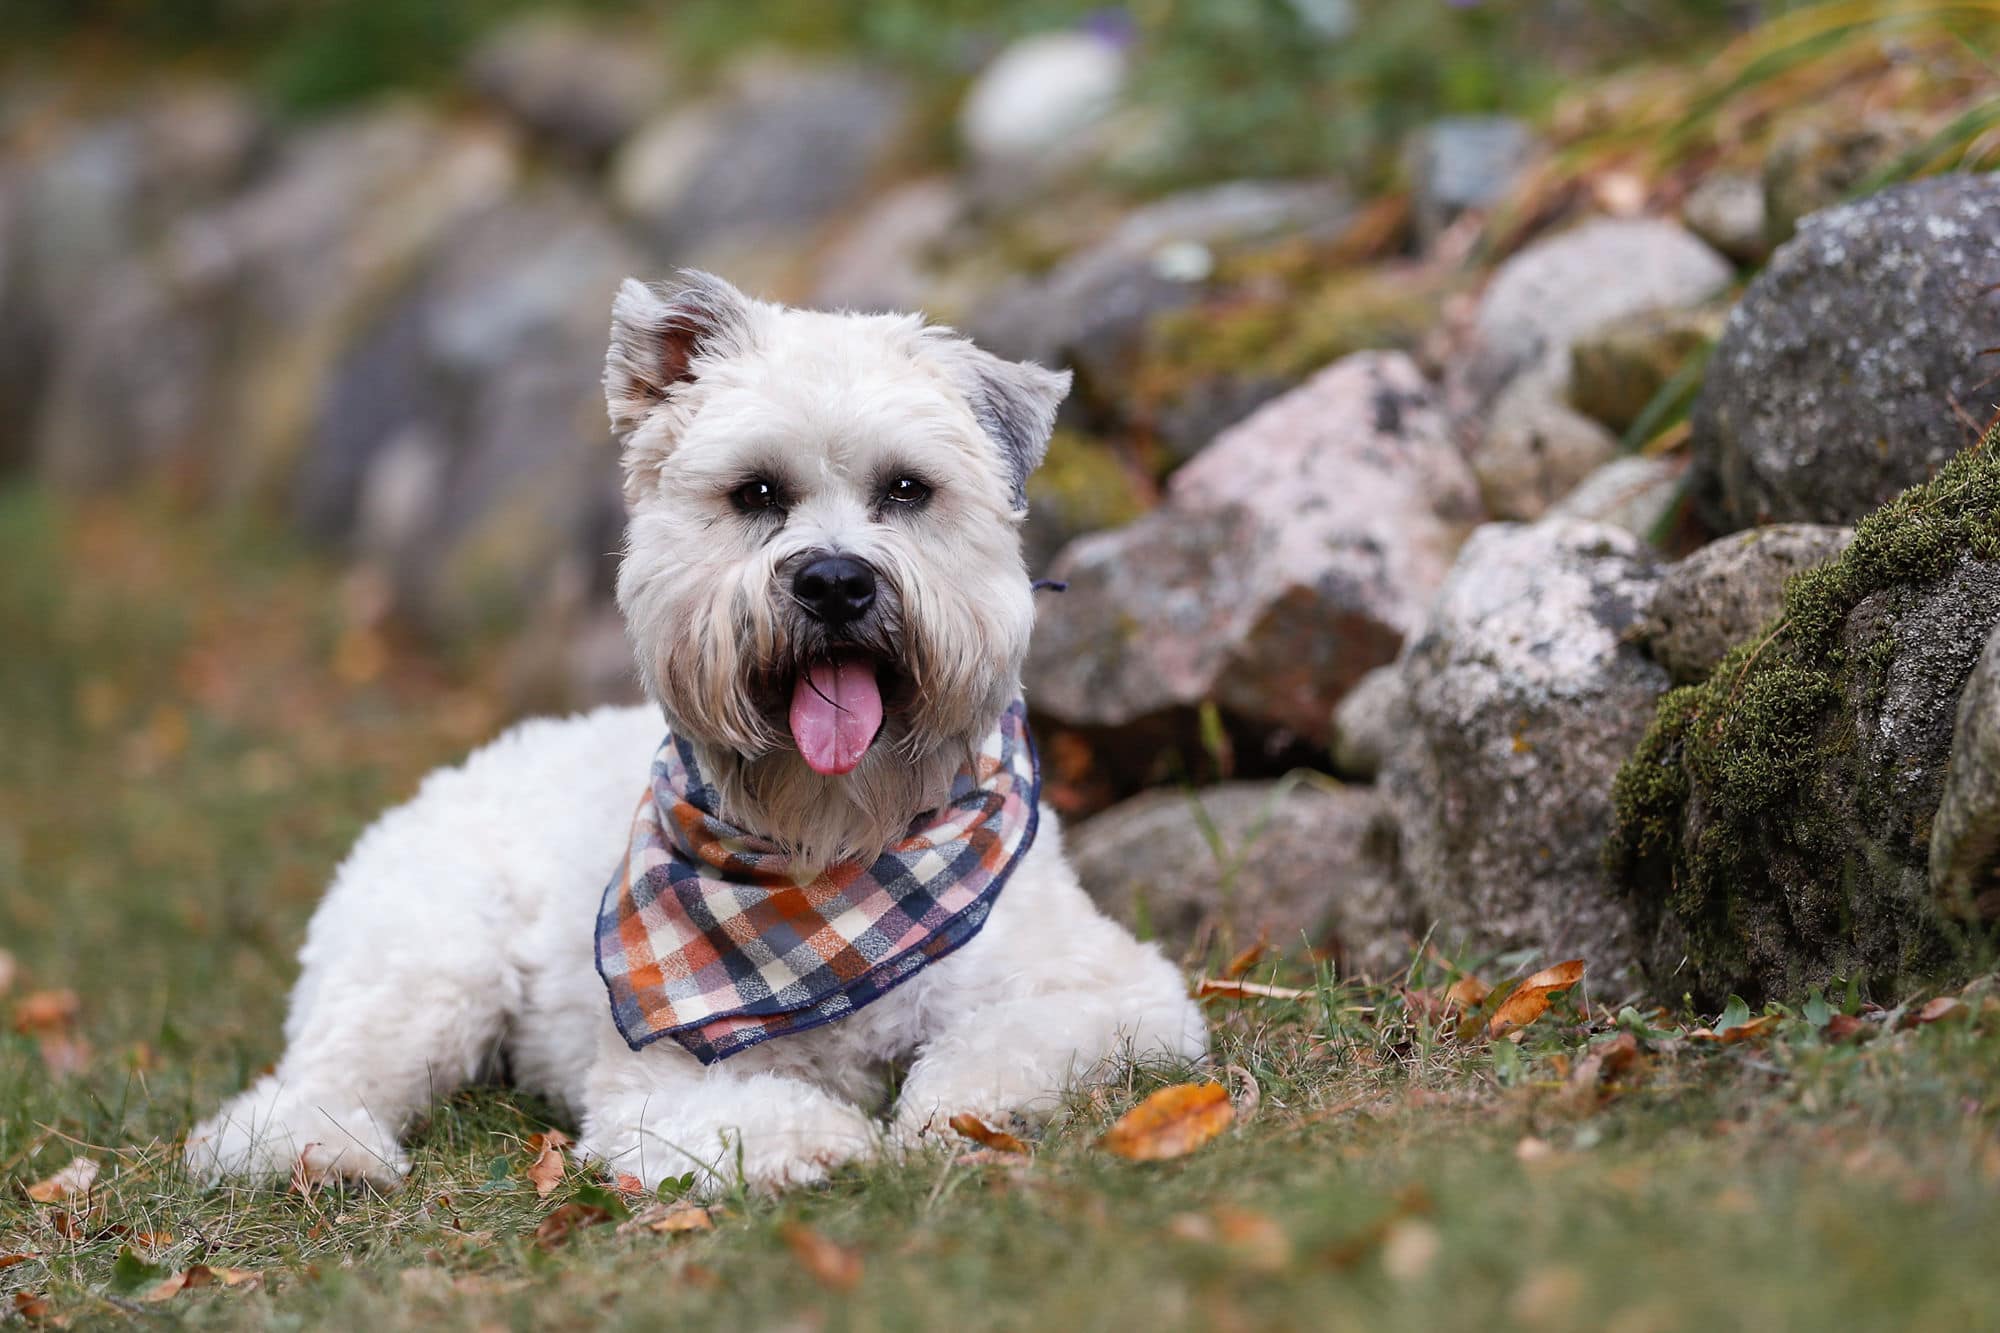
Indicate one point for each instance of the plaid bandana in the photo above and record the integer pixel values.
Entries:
(706, 934)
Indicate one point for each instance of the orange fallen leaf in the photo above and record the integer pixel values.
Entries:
(566, 1221)
(1943, 1008)
(9, 1260)
(1467, 992)
(983, 1134)
(833, 1264)
(1847, 1028)
(1584, 1089)
(46, 1010)
(74, 1179)
(198, 1276)
(630, 1188)
(31, 1305)
(1235, 967)
(1748, 1031)
(1173, 1122)
(546, 1171)
(1529, 998)
(668, 1219)
(1211, 987)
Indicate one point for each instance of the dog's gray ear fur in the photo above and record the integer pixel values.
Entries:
(1014, 402)
(659, 333)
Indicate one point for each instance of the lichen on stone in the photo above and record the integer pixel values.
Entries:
(1771, 829)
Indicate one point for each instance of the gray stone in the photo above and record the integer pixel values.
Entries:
(1729, 590)
(1291, 556)
(1039, 99)
(1299, 864)
(1464, 163)
(1965, 836)
(1534, 449)
(1091, 309)
(1851, 369)
(1367, 724)
(1619, 371)
(1523, 696)
(882, 259)
(782, 151)
(1727, 211)
(1638, 493)
(1820, 163)
(583, 88)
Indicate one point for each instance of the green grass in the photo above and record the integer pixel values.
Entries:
(192, 737)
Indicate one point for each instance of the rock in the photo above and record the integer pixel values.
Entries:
(1819, 165)
(1727, 211)
(1965, 836)
(1291, 556)
(1528, 445)
(1464, 163)
(1300, 863)
(1559, 290)
(1617, 372)
(584, 89)
(1535, 449)
(1729, 590)
(1775, 826)
(1039, 97)
(1851, 368)
(463, 433)
(881, 262)
(1092, 308)
(1367, 724)
(1522, 696)
(1638, 493)
(1083, 486)
(779, 153)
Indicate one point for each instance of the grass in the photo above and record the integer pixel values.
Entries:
(196, 724)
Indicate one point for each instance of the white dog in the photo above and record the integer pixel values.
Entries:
(824, 588)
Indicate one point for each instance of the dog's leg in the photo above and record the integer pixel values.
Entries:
(659, 1114)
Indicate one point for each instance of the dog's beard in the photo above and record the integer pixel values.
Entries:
(939, 692)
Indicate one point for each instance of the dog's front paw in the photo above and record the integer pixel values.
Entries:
(267, 1133)
(796, 1140)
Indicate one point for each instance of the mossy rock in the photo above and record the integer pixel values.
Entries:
(1773, 828)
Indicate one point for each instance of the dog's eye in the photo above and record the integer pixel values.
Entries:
(754, 495)
(906, 491)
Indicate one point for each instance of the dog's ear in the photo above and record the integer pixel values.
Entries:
(660, 332)
(1014, 402)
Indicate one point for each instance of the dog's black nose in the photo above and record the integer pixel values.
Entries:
(835, 589)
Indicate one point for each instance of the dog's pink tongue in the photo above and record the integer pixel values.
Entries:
(836, 711)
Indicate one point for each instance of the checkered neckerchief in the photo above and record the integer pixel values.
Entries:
(706, 934)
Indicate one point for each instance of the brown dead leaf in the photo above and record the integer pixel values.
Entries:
(1753, 1030)
(9, 1260)
(1467, 993)
(557, 1228)
(32, 1306)
(66, 1226)
(983, 1134)
(1846, 1028)
(46, 1010)
(833, 1264)
(73, 1179)
(669, 1219)
(1231, 970)
(1173, 1122)
(1945, 1008)
(546, 1170)
(1528, 1000)
(1584, 1090)
(1217, 987)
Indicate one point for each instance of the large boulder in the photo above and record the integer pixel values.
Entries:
(1775, 828)
(1520, 699)
(1965, 836)
(1819, 163)
(1291, 556)
(1728, 590)
(779, 152)
(1301, 864)
(1528, 445)
(1853, 366)
(582, 88)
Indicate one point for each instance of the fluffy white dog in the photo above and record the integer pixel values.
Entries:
(838, 866)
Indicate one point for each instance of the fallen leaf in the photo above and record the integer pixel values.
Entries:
(1214, 987)
(198, 1276)
(669, 1219)
(65, 1226)
(1467, 992)
(9, 1260)
(46, 1010)
(1231, 970)
(1749, 1030)
(1528, 1000)
(1173, 1122)
(9, 969)
(1252, 1239)
(31, 1305)
(833, 1264)
(983, 1134)
(630, 1188)
(74, 1179)
(1249, 1095)
(546, 1171)
(1943, 1008)
(566, 1221)
(1846, 1028)
(1584, 1089)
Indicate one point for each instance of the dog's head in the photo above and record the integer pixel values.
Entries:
(823, 563)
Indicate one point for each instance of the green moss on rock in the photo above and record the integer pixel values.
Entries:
(1772, 828)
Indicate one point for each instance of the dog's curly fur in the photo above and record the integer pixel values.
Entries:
(459, 930)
